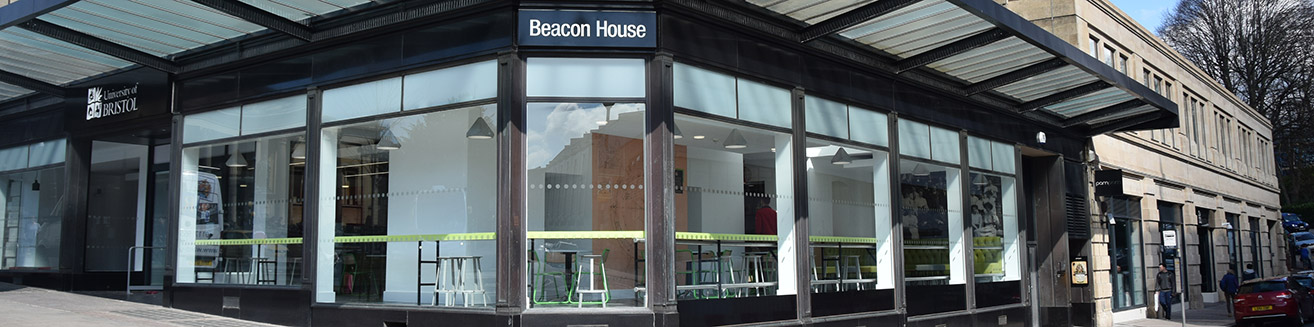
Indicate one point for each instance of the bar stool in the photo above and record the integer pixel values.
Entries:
(469, 266)
(855, 263)
(821, 279)
(726, 265)
(754, 271)
(595, 262)
(445, 281)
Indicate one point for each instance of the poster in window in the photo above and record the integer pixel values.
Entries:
(209, 218)
(987, 206)
(1080, 275)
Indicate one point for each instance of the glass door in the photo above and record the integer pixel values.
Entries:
(127, 182)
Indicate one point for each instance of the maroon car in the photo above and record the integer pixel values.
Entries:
(1273, 299)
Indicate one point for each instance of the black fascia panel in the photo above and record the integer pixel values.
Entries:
(21, 11)
(1027, 31)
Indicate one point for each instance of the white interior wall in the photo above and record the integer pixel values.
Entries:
(719, 174)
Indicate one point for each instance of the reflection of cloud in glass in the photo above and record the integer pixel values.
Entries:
(553, 126)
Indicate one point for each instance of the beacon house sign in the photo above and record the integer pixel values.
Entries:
(572, 28)
(107, 101)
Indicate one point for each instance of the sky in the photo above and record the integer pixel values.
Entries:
(1147, 12)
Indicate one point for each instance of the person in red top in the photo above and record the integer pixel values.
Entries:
(764, 220)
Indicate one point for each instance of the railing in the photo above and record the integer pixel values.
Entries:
(132, 261)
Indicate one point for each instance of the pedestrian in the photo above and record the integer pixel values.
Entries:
(1228, 285)
(1249, 273)
(1166, 284)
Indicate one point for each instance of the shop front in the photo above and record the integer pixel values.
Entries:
(670, 163)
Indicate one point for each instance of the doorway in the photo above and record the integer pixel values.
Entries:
(127, 216)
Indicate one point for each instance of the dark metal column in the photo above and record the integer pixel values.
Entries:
(310, 215)
(803, 252)
(175, 193)
(511, 255)
(896, 229)
(73, 239)
(660, 166)
(965, 179)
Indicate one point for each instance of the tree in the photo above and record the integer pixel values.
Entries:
(1259, 50)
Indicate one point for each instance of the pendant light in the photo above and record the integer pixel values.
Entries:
(606, 114)
(36, 183)
(236, 160)
(299, 151)
(388, 142)
(676, 129)
(979, 180)
(735, 140)
(841, 158)
(479, 130)
(921, 171)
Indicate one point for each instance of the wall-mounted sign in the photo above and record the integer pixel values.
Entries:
(573, 28)
(1080, 273)
(1108, 182)
(118, 100)
(106, 101)
(1170, 238)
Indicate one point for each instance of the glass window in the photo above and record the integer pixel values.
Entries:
(274, 115)
(734, 212)
(979, 152)
(764, 104)
(240, 217)
(1094, 47)
(1108, 55)
(413, 201)
(450, 85)
(704, 90)
(1122, 65)
(585, 167)
(361, 100)
(827, 117)
(996, 251)
(33, 212)
(212, 125)
(1125, 253)
(585, 77)
(13, 158)
(869, 126)
(945, 145)
(849, 222)
(46, 153)
(914, 139)
(932, 211)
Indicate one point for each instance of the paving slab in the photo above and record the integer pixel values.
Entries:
(22, 306)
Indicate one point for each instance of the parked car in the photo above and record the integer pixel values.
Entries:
(1292, 223)
(1273, 299)
(1302, 239)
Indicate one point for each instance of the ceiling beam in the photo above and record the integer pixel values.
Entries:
(32, 84)
(1105, 112)
(852, 18)
(954, 48)
(99, 45)
(260, 17)
(1063, 96)
(1015, 76)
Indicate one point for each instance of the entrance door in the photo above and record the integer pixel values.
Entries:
(126, 190)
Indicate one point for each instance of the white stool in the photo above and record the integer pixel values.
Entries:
(754, 272)
(855, 263)
(450, 279)
(595, 262)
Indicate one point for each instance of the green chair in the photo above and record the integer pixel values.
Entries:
(540, 276)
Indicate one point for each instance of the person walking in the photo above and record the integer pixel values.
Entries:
(1166, 284)
(1249, 273)
(1228, 285)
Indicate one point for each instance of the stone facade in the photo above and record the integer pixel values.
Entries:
(1218, 160)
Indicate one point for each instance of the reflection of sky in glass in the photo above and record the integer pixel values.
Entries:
(552, 126)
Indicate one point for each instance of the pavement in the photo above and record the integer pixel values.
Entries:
(1213, 314)
(22, 306)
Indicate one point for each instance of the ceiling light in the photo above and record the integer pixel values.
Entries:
(479, 130)
(388, 142)
(606, 114)
(676, 129)
(236, 161)
(699, 137)
(299, 151)
(921, 171)
(243, 185)
(979, 180)
(346, 186)
(735, 140)
(841, 158)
